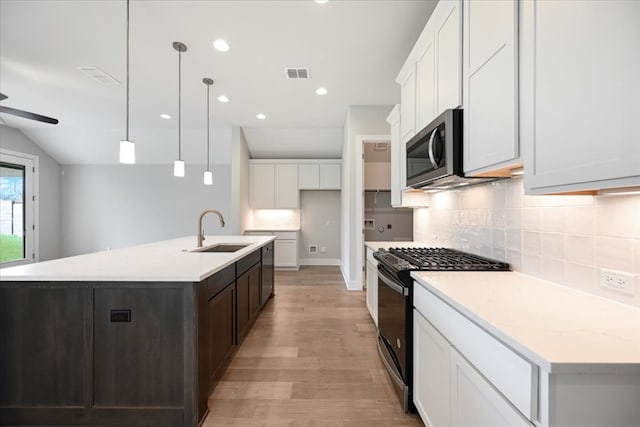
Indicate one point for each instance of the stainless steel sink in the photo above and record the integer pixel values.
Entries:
(223, 247)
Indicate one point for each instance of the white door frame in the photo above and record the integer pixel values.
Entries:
(31, 198)
(359, 191)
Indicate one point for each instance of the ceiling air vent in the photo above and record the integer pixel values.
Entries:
(381, 146)
(98, 75)
(297, 73)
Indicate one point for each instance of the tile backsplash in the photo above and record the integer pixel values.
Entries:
(563, 239)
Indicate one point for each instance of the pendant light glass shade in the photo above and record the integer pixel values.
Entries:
(127, 147)
(208, 177)
(127, 152)
(178, 165)
(178, 168)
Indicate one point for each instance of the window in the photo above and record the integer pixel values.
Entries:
(18, 214)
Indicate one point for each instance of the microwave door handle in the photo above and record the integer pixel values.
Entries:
(431, 156)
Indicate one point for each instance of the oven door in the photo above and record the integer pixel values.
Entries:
(393, 300)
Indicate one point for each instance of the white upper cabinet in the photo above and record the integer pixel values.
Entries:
(274, 186)
(309, 177)
(330, 176)
(447, 25)
(580, 115)
(323, 175)
(430, 79)
(286, 187)
(490, 85)
(262, 191)
(408, 105)
(398, 156)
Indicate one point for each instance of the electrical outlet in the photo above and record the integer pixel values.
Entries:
(313, 249)
(323, 249)
(618, 281)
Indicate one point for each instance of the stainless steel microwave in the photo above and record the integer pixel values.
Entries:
(434, 155)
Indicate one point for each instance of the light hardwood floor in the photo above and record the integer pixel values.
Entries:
(309, 360)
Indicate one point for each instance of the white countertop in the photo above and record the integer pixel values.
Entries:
(165, 261)
(556, 327)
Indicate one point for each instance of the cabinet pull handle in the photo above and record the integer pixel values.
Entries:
(431, 156)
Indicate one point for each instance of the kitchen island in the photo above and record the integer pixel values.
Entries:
(129, 337)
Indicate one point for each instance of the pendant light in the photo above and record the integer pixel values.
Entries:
(208, 175)
(178, 165)
(127, 147)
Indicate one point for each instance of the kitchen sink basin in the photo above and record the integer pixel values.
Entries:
(223, 247)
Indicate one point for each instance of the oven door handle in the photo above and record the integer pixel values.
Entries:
(399, 289)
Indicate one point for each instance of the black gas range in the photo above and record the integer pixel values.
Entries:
(395, 303)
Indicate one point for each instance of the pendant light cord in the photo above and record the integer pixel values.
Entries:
(127, 131)
(208, 97)
(179, 105)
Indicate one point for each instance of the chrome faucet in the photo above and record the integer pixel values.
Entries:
(200, 233)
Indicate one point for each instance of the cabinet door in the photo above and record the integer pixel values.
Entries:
(426, 83)
(431, 358)
(490, 83)
(221, 311)
(262, 186)
(398, 156)
(580, 94)
(308, 177)
(254, 291)
(408, 106)
(474, 402)
(286, 253)
(286, 187)
(448, 29)
(243, 314)
(372, 290)
(330, 176)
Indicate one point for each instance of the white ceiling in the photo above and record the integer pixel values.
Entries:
(352, 47)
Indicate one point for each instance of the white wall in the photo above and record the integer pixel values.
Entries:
(49, 187)
(241, 212)
(319, 225)
(563, 239)
(360, 120)
(113, 206)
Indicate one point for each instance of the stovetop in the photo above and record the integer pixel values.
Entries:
(436, 259)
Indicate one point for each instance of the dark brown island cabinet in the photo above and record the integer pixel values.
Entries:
(121, 354)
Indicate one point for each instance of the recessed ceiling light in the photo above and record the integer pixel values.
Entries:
(221, 45)
(321, 1)
(223, 98)
(321, 91)
(261, 116)
(165, 116)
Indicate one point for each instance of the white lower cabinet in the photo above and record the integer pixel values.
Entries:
(285, 247)
(286, 253)
(372, 286)
(475, 402)
(431, 358)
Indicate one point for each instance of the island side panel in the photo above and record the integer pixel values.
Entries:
(43, 353)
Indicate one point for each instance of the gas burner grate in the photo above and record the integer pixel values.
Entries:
(436, 259)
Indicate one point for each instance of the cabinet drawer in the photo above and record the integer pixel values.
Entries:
(247, 262)
(280, 235)
(515, 377)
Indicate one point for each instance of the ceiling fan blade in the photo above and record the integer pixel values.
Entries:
(3, 96)
(28, 115)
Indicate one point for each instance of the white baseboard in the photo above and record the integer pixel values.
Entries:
(315, 261)
(351, 285)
